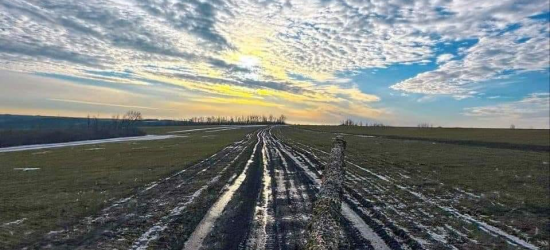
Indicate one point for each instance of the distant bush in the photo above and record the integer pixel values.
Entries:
(350, 122)
(425, 125)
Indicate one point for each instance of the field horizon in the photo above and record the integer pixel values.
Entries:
(15, 119)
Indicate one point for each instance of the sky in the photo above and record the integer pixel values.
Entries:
(466, 63)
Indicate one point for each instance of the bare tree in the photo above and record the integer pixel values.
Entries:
(131, 118)
(116, 121)
(425, 125)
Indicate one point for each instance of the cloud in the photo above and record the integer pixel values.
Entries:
(493, 57)
(444, 58)
(253, 49)
(105, 104)
(196, 17)
(532, 110)
(535, 105)
(317, 37)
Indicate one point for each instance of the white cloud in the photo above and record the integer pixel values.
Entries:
(444, 58)
(426, 98)
(322, 36)
(493, 57)
(532, 110)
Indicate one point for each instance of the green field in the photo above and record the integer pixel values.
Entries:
(512, 185)
(75, 182)
(480, 136)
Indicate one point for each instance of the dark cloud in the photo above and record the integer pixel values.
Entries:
(47, 52)
(227, 66)
(91, 21)
(254, 84)
(282, 86)
(194, 16)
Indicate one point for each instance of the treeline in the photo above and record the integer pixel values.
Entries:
(51, 122)
(237, 120)
(350, 122)
(93, 128)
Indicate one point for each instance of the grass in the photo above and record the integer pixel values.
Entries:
(480, 136)
(75, 182)
(517, 179)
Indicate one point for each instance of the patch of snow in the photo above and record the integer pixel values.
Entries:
(26, 169)
(440, 237)
(92, 149)
(366, 136)
(384, 178)
(193, 130)
(87, 142)
(55, 232)
(468, 193)
(17, 222)
(404, 176)
(41, 152)
(367, 233)
(154, 184)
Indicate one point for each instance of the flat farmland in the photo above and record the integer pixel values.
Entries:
(254, 187)
(530, 139)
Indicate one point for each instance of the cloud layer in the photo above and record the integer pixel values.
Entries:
(295, 57)
(495, 56)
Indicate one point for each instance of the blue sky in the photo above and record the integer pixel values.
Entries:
(450, 63)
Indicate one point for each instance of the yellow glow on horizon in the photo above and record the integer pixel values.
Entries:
(240, 101)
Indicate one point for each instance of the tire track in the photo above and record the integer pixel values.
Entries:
(261, 236)
(295, 215)
(357, 230)
(195, 241)
(153, 233)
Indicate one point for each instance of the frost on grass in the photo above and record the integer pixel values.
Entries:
(13, 223)
(26, 169)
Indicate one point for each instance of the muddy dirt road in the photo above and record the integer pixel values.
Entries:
(254, 194)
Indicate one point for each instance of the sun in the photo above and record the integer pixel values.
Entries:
(248, 62)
